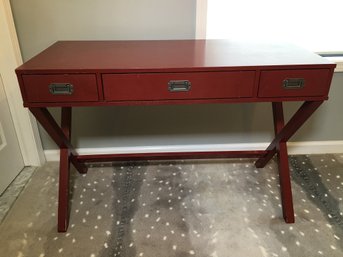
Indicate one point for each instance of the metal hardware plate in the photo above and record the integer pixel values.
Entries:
(293, 83)
(61, 88)
(179, 85)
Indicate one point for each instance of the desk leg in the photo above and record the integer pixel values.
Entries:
(285, 181)
(57, 134)
(282, 134)
(287, 131)
(63, 195)
(61, 136)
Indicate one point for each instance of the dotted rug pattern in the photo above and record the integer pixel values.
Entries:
(217, 208)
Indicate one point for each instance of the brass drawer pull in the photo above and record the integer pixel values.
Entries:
(295, 83)
(179, 85)
(61, 88)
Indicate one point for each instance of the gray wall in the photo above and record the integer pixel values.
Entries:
(40, 23)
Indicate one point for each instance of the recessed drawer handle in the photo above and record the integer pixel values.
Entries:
(61, 88)
(179, 85)
(295, 83)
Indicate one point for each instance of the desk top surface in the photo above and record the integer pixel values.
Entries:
(168, 55)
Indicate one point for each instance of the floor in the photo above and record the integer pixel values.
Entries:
(217, 208)
(8, 197)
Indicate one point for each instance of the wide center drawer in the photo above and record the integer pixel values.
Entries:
(60, 87)
(164, 86)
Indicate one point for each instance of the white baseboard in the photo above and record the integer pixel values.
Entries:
(313, 147)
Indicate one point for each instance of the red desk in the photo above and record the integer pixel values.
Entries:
(102, 73)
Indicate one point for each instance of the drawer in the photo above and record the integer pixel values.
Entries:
(164, 86)
(60, 88)
(293, 83)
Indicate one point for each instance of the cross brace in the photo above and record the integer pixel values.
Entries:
(62, 137)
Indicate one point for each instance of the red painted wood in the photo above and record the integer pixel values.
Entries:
(49, 124)
(80, 167)
(100, 87)
(169, 56)
(177, 101)
(108, 73)
(56, 133)
(66, 113)
(271, 83)
(170, 156)
(191, 57)
(37, 87)
(63, 193)
(154, 86)
(63, 215)
(285, 180)
(256, 85)
(297, 120)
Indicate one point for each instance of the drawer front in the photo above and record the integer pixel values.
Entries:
(294, 83)
(60, 88)
(164, 86)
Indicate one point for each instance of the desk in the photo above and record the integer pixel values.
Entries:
(103, 73)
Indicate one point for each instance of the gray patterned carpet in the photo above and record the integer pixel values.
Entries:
(183, 208)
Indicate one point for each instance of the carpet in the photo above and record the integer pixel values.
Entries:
(217, 208)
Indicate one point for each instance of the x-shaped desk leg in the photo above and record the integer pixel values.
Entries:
(61, 136)
(282, 134)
